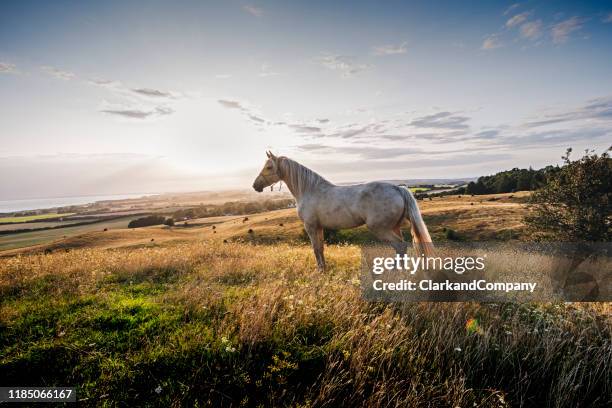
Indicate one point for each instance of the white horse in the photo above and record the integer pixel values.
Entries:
(321, 204)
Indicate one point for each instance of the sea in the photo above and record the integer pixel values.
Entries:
(8, 206)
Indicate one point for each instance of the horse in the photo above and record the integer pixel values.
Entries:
(321, 204)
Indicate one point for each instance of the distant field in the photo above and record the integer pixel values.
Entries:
(36, 225)
(33, 217)
(487, 217)
(26, 239)
(419, 189)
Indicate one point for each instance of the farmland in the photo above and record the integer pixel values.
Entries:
(29, 218)
(488, 217)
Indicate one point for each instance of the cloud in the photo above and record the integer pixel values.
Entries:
(531, 30)
(138, 113)
(402, 168)
(6, 68)
(518, 19)
(310, 147)
(608, 18)
(347, 65)
(103, 82)
(390, 49)
(305, 128)
(377, 153)
(155, 93)
(364, 152)
(556, 137)
(560, 32)
(511, 8)
(121, 90)
(136, 102)
(267, 72)
(356, 130)
(245, 111)
(487, 134)
(323, 120)
(58, 73)
(256, 119)
(441, 120)
(223, 76)
(396, 137)
(595, 109)
(91, 174)
(491, 42)
(231, 104)
(252, 10)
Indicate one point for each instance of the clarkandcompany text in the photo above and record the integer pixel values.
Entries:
(474, 285)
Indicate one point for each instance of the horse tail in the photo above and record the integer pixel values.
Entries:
(420, 235)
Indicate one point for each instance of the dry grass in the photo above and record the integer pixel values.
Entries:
(242, 324)
(487, 217)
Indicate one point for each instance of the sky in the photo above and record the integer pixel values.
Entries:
(123, 97)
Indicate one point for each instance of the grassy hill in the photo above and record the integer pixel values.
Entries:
(473, 218)
(208, 323)
(201, 316)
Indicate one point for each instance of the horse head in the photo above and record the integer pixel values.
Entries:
(268, 175)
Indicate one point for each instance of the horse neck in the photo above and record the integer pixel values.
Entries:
(300, 180)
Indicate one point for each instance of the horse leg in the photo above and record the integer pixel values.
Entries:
(315, 233)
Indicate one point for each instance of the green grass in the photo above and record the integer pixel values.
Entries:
(210, 324)
(6, 220)
(419, 189)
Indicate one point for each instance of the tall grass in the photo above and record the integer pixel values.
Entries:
(254, 325)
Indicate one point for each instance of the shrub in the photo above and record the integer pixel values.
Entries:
(451, 234)
(576, 202)
(147, 221)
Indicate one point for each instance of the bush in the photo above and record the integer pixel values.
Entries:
(147, 221)
(169, 222)
(451, 234)
(576, 202)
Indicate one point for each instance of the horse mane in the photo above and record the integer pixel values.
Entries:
(298, 178)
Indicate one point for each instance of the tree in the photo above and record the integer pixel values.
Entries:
(169, 222)
(146, 221)
(575, 204)
(524, 183)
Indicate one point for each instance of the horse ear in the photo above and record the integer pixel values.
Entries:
(271, 155)
(268, 154)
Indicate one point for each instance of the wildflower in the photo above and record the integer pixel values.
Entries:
(230, 349)
(224, 340)
(458, 349)
(472, 326)
(158, 390)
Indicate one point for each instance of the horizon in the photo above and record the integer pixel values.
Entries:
(136, 195)
(105, 99)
